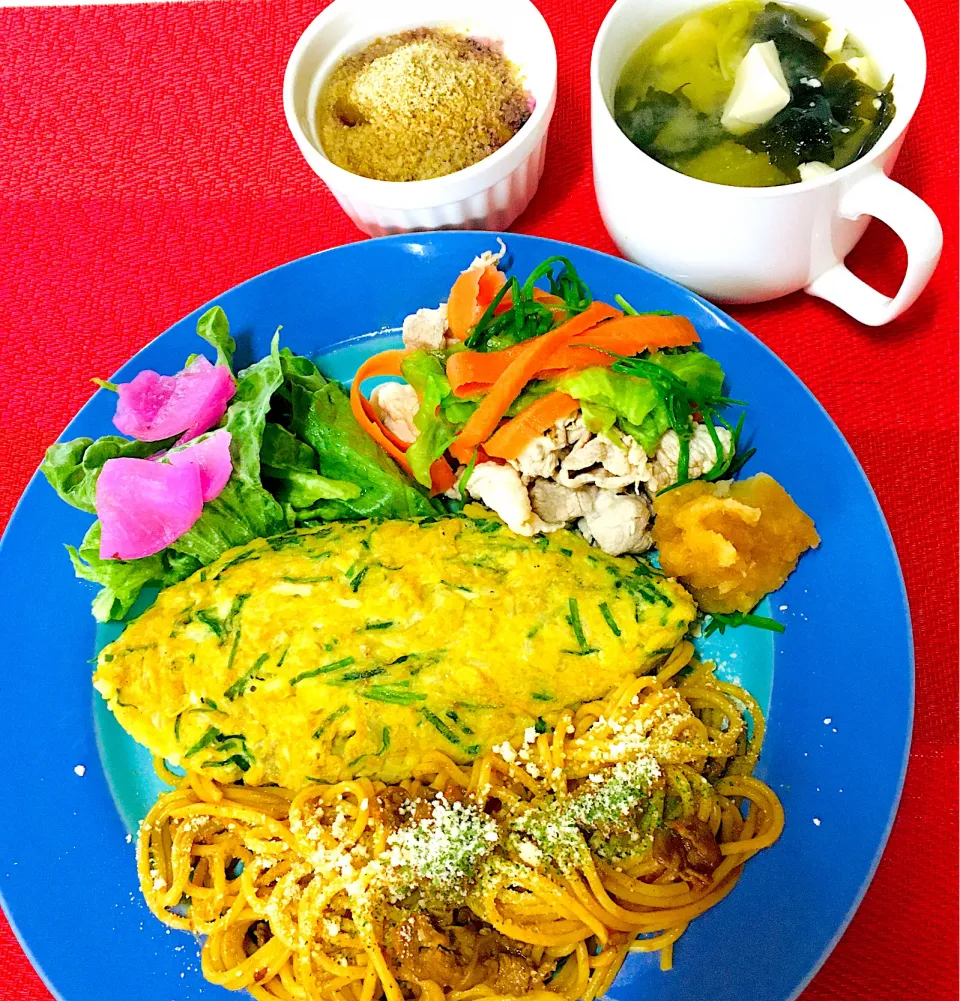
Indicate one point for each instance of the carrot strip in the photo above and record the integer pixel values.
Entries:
(388, 363)
(484, 420)
(472, 292)
(597, 348)
(514, 436)
(492, 279)
(473, 372)
(385, 363)
(660, 331)
(442, 477)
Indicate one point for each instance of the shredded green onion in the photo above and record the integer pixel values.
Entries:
(326, 669)
(719, 622)
(527, 317)
(574, 620)
(609, 619)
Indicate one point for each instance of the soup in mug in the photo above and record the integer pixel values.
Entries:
(753, 95)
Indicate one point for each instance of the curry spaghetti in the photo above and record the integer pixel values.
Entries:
(531, 873)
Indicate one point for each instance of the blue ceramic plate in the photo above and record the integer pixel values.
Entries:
(838, 683)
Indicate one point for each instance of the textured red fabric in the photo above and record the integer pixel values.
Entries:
(145, 167)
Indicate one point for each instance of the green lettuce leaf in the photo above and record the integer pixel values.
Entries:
(426, 374)
(700, 372)
(436, 436)
(627, 396)
(73, 467)
(530, 393)
(122, 581)
(633, 401)
(215, 330)
(597, 418)
(289, 467)
(300, 490)
(282, 451)
(345, 452)
(442, 414)
(649, 432)
(299, 371)
(458, 411)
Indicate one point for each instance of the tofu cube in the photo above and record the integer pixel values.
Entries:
(836, 37)
(815, 169)
(759, 90)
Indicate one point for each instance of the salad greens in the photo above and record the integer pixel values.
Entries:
(639, 407)
(684, 390)
(323, 419)
(214, 328)
(299, 458)
(642, 398)
(121, 581)
(441, 414)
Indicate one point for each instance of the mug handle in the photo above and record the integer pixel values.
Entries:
(917, 226)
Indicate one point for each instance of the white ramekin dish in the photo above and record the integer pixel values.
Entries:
(751, 244)
(489, 194)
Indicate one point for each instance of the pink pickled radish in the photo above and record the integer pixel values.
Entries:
(211, 456)
(153, 407)
(143, 506)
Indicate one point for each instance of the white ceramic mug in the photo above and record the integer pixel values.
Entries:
(751, 244)
(489, 194)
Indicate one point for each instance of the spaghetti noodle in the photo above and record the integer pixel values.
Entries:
(531, 873)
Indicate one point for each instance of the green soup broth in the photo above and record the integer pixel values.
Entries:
(673, 91)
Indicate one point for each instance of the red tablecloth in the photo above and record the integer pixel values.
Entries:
(145, 167)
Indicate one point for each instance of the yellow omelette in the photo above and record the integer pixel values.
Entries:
(358, 648)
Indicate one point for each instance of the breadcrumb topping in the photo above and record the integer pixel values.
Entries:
(419, 104)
